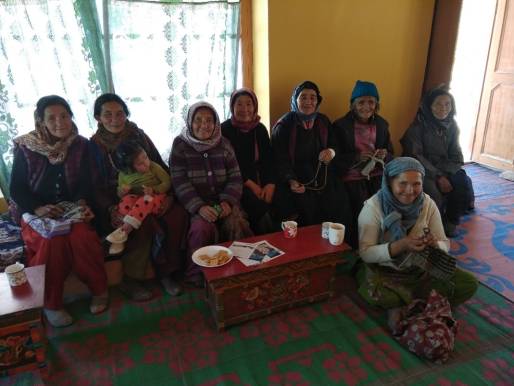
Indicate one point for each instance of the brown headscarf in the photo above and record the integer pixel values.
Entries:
(42, 142)
(110, 141)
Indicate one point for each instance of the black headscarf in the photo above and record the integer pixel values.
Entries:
(294, 100)
(425, 115)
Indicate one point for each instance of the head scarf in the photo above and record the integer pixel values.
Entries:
(42, 142)
(110, 141)
(188, 135)
(398, 217)
(245, 127)
(425, 115)
(307, 119)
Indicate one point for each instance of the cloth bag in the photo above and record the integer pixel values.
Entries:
(427, 328)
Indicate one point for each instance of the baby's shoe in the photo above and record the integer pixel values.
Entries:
(117, 236)
(117, 240)
(116, 249)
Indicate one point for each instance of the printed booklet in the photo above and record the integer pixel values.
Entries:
(256, 253)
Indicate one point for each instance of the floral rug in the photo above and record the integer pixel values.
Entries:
(485, 239)
(172, 341)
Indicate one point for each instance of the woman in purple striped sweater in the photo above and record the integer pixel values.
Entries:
(208, 183)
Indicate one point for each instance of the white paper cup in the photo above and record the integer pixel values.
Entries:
(16, 274)
(325, 226)
(336, 233)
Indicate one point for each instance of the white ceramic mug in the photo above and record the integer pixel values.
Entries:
(16, 274)
(336, 233)
(290, 229)
(325, 226)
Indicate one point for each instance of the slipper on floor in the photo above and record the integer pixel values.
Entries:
(172, 287)
(135, 290)
(58, 318)
(99, 303)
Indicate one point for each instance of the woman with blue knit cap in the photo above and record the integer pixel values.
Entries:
(395, 225)
(305, 151)
(433, 139)
(364, 145)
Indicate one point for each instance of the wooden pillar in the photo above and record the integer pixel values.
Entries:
(443, 39)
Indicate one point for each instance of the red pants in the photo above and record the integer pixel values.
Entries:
(138, 207)
(79, 251)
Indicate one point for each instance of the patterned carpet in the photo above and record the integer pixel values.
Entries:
(485, 241)
(172, 341)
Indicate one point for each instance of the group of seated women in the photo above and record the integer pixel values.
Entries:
(225, 181)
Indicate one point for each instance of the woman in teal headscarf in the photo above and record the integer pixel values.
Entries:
(397, 222)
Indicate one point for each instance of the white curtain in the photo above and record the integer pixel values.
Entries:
(165, 57)
(41, 53)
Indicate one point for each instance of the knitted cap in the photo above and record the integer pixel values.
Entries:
(363, 88)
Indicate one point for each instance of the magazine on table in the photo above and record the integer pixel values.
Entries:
(255, 253)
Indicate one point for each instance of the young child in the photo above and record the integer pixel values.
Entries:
(142, 186)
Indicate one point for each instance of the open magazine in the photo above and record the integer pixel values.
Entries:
(254, 253)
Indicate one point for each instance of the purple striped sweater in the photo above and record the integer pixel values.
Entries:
(205, 178)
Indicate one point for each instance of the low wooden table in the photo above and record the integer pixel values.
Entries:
(304, 274)
(22, 336)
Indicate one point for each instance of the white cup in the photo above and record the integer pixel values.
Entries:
(336, 233)
(290, 229)
(325, 226)
(16, 274)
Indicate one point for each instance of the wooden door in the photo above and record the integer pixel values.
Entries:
(493, 144)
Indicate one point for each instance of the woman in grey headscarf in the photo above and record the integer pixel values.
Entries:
(397, 222)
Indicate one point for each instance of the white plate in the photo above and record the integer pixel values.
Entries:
(210, 250)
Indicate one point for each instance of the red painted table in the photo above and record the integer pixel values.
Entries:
(22, 336)
(305, 273)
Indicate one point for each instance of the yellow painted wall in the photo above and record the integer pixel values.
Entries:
(261, 57)
(336, 42)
